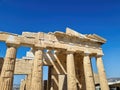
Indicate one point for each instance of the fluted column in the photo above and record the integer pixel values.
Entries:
(23, 85)
(88, 72)
(6, 79)
(37, 74)
(71, 77)
(101, 72)
(62, 82)
(28, 82)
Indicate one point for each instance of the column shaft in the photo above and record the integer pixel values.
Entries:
(102, 75)
(6, 79)
(23, 85)
(37, 71)
(88, 73)
(28, 82)
(62, 82)
(71, 77)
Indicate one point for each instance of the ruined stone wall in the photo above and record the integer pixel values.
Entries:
(23, 66)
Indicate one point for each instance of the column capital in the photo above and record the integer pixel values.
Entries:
(99, 55)
(16, 45)
(86, 53)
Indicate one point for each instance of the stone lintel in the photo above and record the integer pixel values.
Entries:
(43, 36)
(48, 42)
(13, 40)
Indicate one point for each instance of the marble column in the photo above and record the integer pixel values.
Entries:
(23, 85)
(89, 78)
(28, 82)
(37, 73)
(7, 74)
(62, 82)
(71, 76)
(101, 72)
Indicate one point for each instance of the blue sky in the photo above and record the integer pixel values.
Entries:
(85, 16)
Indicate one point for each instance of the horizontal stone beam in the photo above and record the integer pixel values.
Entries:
(55, 40)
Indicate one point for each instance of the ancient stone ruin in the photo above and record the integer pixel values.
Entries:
(68, 56)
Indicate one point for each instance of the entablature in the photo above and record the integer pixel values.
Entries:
(71, 40)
